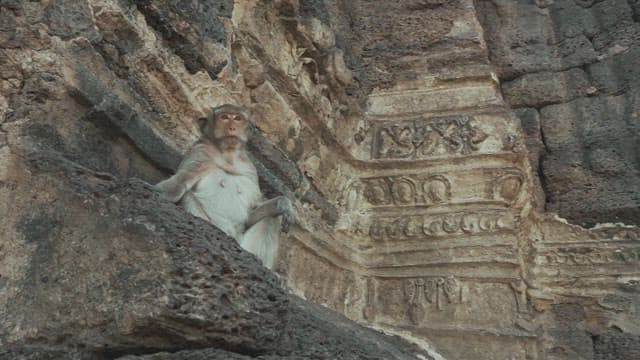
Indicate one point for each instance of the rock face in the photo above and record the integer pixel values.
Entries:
(571, 70)
(111, 269)
(421, 142)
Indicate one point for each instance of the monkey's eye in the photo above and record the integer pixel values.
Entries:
(238, 118)
(224, 116)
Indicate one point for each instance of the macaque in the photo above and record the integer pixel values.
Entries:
(217, 181)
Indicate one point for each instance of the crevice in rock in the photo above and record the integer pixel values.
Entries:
(183, 47)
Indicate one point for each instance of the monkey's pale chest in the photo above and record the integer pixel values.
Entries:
(227, 199)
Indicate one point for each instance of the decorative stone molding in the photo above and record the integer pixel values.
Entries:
(442, 225)
(426, 137)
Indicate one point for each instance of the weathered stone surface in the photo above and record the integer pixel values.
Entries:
(518, 37)
(571, 53)
(584, 167)
(314, 332)
(417, 187)
(115, 270)
(618, 73)
(194, 30)
(530, 121)
(615, 344)
(579, 319)
(69, 19)
(540, 89)
(108, 269)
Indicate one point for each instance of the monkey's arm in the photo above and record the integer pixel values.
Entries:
(279, 205)
(192, 168)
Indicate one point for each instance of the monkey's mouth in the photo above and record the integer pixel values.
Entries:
(233, 137)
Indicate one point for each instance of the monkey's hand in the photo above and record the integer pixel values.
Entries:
(277, 206)
(169, 190)
(285, 208)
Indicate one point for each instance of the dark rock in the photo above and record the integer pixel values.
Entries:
(591, 170)
(190, 42)
(69, 19)
(570, 53)
(618, 73)
(575, 52)
(568, 314)
(530, 121)
(518, 36)
(314, 332)
(205, 354)
(134, 274)
(129, 114)
(635, 5)
(567, 331)
(615, 344)
(153, 276)
(314, 8)
(540, 89)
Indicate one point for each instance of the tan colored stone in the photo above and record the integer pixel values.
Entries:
(409, 172)
(319, 33)
(272, 114)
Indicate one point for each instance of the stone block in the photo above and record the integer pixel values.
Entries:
(617, 73)
(571, 19)
(591, 169)
(520, 37)
(539, 89)
(615, 344)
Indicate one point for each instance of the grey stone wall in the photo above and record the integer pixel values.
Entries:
(572, 71)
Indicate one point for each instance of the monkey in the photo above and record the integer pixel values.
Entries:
(217, 181)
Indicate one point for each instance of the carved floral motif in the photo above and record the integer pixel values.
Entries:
(501, 185)
(429, 226)
(427, 137)
(590, 256)
(407, 190)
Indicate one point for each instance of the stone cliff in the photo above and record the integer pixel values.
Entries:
(428, 145)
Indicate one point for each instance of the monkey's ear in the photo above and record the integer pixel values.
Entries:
(202, 122)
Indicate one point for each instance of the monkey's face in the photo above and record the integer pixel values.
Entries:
(230, 125)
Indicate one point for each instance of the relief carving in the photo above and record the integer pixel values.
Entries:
(430, 226)
(507, 186)
(369, 311)
(351, 195)
(502, 186)
(406, 190)
(427, 137)
(520, 292)
(437, 188)
(593, 256)
(377, 191)
(423, 293)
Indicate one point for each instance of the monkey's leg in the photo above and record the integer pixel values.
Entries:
(262, 240)
(279, 205)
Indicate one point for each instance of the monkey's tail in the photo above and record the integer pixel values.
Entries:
(262, 240)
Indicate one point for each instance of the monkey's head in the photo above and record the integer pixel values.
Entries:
(226, 122)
